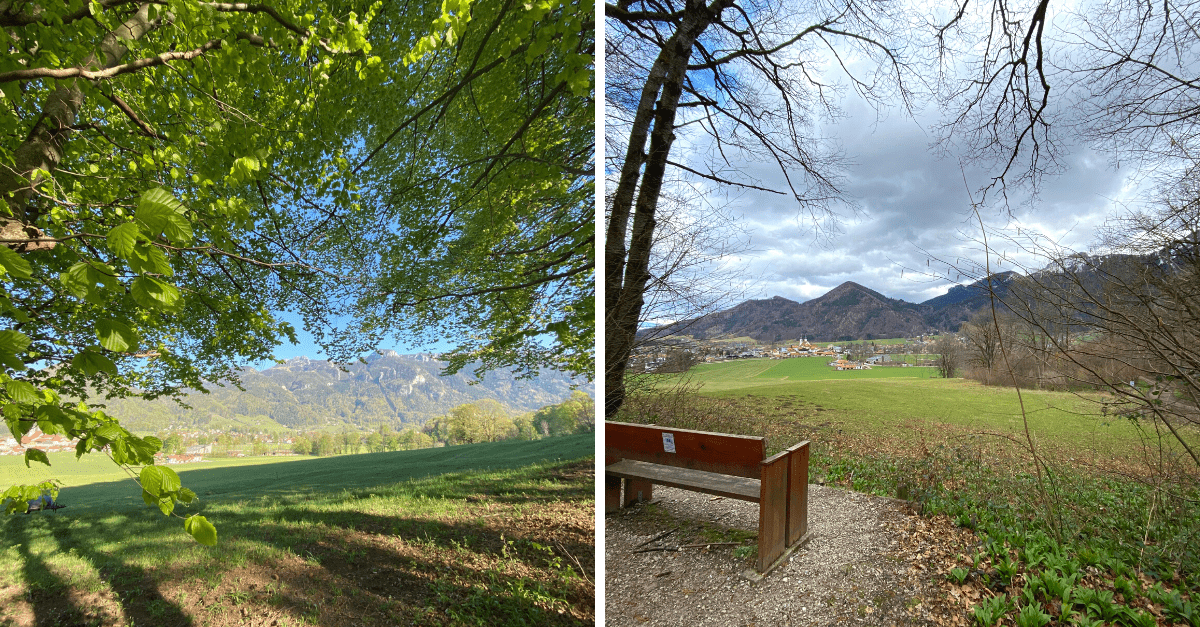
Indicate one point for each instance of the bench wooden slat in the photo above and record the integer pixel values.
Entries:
(728, 454)
(730, 486)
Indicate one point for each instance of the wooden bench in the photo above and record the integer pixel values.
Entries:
(636, 457)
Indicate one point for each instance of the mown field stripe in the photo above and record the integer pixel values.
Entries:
(95, 482)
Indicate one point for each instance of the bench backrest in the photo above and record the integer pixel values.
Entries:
(739, 455)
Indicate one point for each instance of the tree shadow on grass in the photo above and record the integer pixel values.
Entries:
(498, 556)
(135, 587)
(49, 596)
(54, 600)
(436, 571)
(509, 552)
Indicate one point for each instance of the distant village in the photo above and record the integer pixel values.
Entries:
(199, 444)
(484, 421)
(675, 354)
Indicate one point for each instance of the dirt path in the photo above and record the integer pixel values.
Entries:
(869, 562)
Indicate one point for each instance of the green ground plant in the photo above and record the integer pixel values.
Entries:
(1032, 616)
(1179, 610)
(990, 610)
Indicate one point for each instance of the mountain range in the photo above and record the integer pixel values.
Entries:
(848, 312)
(387, 388)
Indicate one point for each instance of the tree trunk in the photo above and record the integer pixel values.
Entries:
(626, 270)
(45, 146)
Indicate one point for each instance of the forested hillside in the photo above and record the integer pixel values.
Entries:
(847, 312)
(388, 389)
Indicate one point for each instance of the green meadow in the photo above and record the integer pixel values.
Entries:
(818, 368)
(499, 533)
(95, 482)
(902, 405)
(751, 373)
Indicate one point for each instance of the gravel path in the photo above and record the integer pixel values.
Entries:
(857, 569)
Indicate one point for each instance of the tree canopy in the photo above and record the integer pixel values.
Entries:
(176, 173)
(479, 194)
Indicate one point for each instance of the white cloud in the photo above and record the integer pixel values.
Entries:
(913, 209)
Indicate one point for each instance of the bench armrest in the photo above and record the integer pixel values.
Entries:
(797, 492)
(773, 509)
(783, 513)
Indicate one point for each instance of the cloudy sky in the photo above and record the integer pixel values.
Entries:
(913, 210)
(913, 207)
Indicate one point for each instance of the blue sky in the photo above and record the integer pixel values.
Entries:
(306, 347)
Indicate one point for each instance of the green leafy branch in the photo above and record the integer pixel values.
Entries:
(159, 217)
(94, 431)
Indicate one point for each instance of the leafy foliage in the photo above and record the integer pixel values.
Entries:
(991, 610)
(1032, 616)
(172, 174)
(145, 242)
(477, 187)
(488, 421)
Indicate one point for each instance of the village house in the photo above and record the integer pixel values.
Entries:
(182, 458)
(35, 439)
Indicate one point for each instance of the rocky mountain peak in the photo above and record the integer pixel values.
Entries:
(306, 393)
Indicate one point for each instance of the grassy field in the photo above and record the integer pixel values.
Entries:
(481, 534)
(95, 482)
(92, 469)
(933, 409)
(895, 407)
(818, 368)
(748, 373)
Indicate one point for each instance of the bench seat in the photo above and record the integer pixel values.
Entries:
(696, 480)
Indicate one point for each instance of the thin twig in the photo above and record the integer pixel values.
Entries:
(657, 537)
(1037, 461)
(656, 548)
(582, 571)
